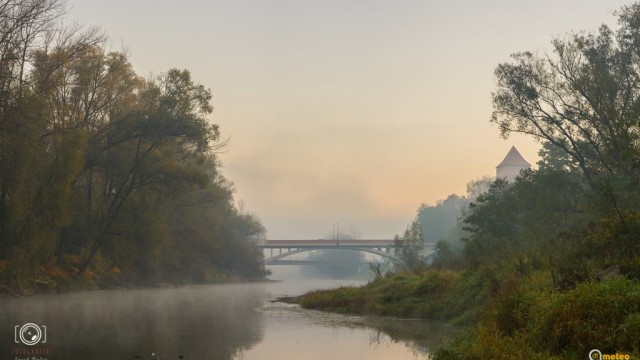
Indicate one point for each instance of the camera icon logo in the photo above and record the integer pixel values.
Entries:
(30, 334)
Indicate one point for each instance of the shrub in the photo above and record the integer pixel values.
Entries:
(594, 315)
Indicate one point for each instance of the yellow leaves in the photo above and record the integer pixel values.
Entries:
(88, 274)
(4, 264)
(56, 272)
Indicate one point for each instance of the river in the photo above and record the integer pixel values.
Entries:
(231, 321)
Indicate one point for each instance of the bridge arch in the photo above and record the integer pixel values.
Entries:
(385, 254)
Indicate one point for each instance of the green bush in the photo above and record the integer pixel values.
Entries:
(489, 343)
(595, 315)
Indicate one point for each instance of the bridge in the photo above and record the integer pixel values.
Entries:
(285, 248)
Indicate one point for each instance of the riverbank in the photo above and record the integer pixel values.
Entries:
(78, 283)
(516, 317)
(407, 295)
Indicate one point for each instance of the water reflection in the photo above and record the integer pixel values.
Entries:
(193, 323)
(422, 335)
(212, 322)
(294, 333)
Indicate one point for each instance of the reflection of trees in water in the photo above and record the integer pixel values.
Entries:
(422, 336)
(194, 323)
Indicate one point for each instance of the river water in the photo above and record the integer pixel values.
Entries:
(231, 321)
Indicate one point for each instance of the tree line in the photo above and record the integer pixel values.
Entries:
(104, 174)
(582, 103)
(554, 255)
(546, 266)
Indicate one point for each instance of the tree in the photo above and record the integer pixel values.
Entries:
(438, 222)
(409, 246)
(478, 187)
(441, 223)
(583, 99)
(553, 158)
(103, 172)
(142, 147)
(22, 25)
(39, 160)
(525, 224)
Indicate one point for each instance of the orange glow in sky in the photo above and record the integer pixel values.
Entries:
(345, 111)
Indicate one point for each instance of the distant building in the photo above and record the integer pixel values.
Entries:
(511, 166)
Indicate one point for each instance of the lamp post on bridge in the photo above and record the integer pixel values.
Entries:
(333, 232)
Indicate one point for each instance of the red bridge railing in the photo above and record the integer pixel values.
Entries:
(326, 242)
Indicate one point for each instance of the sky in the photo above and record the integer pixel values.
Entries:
(349, 112)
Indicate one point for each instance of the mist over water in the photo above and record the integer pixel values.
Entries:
(196, 322)
(233, 321)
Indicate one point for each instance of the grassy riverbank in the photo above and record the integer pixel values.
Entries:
(504, 318)
(410, 295)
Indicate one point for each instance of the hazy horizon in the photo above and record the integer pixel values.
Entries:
(352, 112)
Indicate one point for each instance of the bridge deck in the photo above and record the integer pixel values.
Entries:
(322, 242)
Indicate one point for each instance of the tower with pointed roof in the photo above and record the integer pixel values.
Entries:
(511, 166)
